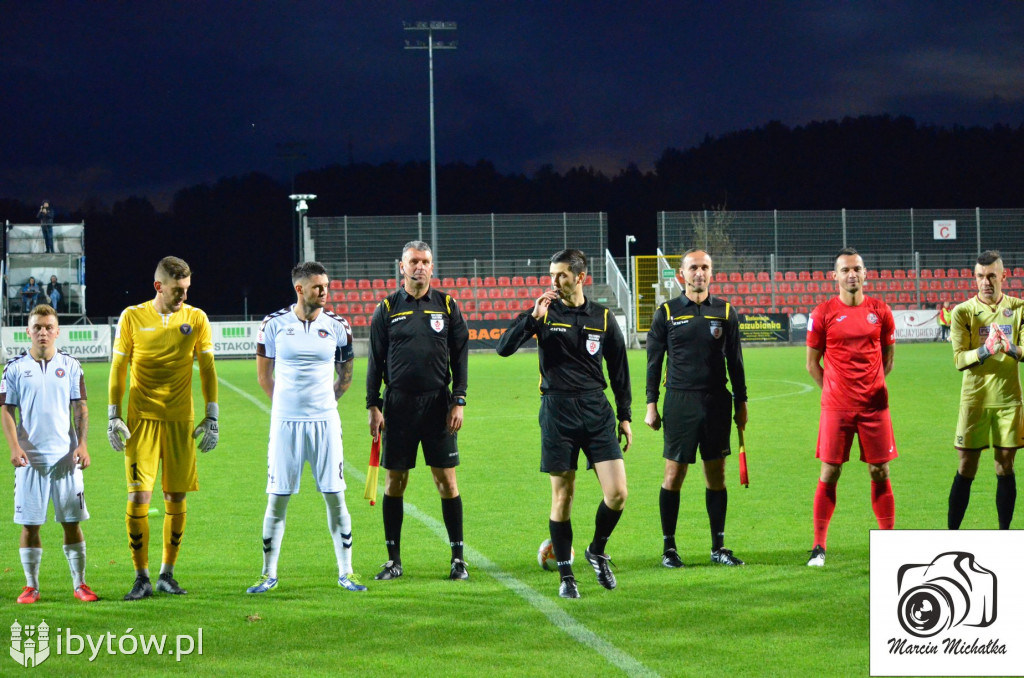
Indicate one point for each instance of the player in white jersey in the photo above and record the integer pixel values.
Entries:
(48, 454)
(304, 364)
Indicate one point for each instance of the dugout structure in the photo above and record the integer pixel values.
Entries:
(25, 256)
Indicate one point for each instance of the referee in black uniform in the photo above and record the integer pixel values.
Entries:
(574, 335)
(701, 335)
(418, 346)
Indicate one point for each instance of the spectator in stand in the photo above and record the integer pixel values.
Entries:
(46, 224)
(29, 295)
(55, 292)
(944, 319)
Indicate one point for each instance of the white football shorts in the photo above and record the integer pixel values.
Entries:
(293, 443)
(35, 488)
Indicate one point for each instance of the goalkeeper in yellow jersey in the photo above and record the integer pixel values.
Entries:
(160, 339)
(986, 335)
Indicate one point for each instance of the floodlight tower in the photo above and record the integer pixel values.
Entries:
(447, 29)
(301, 207)
(629, 286)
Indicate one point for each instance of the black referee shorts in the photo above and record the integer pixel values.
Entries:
(696, 418)
(571, 423)
(414, 418)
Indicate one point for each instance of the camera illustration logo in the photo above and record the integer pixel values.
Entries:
(950, 591)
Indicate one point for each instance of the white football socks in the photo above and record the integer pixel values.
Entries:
(273, 531)
(75, 553)
(30, 558)
(339, 521)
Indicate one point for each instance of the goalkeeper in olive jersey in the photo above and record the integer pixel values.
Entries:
(986, 336)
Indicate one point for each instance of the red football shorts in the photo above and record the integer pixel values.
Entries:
(874, 436)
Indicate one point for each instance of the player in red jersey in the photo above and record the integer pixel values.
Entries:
(856, 336)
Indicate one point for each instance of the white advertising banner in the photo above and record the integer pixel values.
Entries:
(921, 325)
(85, 342)
(236, 339)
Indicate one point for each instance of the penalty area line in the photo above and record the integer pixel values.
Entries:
(556, 615)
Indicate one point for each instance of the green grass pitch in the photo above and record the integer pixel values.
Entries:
(773, 616)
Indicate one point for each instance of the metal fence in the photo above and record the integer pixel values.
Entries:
(808, 240)
(475, 245)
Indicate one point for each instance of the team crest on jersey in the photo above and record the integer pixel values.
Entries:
(185, 328)
(436, 322)
(60, 372)
(593, 343)
(716, 328)
(322, 333)
(872, 318)
(1007, 313)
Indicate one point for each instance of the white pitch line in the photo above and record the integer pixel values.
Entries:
(804, 388)
(556, 615)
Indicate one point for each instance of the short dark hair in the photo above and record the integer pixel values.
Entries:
(847, 252)
(576, 259)
(307, 269)
(989, 257)
(416, 245)
(694, 249)
(172, 268)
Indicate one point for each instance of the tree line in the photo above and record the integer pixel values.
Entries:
(237, 232)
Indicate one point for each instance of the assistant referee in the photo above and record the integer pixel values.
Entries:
(419, 344)
(701, 335)
(574, 336)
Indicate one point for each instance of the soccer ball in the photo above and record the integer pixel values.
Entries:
(546, 556)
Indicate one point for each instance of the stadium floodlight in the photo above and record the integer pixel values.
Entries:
(446, 29)
(301, 206)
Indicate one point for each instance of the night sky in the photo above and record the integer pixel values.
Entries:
(113, 99)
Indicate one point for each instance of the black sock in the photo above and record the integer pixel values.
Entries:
(1006, 498)
(717, 501)
(604, 522)
(561, 542)
(959, 497)
(393, 510)
(668, 502)
(451, 511)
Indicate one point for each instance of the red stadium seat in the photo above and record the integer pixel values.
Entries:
(779, 277)
(965, 284)
(508, 293)
(756, 288)
(899, 273)
(939, 273)
(351, 285)
(743, 288)
(728, 288)
(517, 281)
(790, 276)
(341, 309)
(481, 293)
(910, 285)
(804, 275)
(749, 277)
(932, 297)
(468, 306)
(785, 287)
(379, 284)
(757, 310)
(966, 273)
(721, 277)
(949, 284)
(911, 273)
(750, 300)
(338, 296)
(380, 294)
(523, 293)
(813, 286)
(764, 300)
(337, 285)
(490, 316)
(536, 292)
(735, 277)
(360, 321)
(448, 283)
(329, 307)
(531, 281)
(800, 286)
(926, 272)
(500, 305)
(476, 282)
(1018, 272)
(1015, 284)
(352, 295)
(490, 281)
(485, 305)
(952, 273)
(872, 274)
(819, 275)
(494, 293)
(960, 297)
(763, 276)
(364, 284)
(807, 299)
(462, 282)
(356, 309)
(366, 295)
(545, 281)
(886, 273)
(505, 316)
(504, 281)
